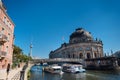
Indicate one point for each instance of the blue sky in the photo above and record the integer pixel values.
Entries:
(45, 22)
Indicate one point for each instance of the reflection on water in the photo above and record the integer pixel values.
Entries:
(103, 75)
(44, 76)
(78, 76)
(89, 75)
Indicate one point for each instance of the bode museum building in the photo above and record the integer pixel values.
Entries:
(81, 46)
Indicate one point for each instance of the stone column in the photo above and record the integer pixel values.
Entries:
(98, 55)
(92, 52)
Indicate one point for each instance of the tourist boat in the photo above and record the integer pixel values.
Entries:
(53, 69)
(44, 64)
(70, 68)
(36, 68)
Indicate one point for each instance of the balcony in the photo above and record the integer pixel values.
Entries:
(3, 38)
(3, 54)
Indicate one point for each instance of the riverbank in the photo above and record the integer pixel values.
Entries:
(17, 73)
(26, 71)
(14, 73)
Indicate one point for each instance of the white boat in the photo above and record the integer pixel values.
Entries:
(70, 68)
(36, 69)
(53, 69)
(44, 64)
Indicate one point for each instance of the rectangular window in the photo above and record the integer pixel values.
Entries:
(4, 19)
(8, 36)
(88, 48)
(7, 49)
(2, 32)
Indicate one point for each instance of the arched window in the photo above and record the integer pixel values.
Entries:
(80, 55)
(69, 56)
(73, 55)
(88, 56)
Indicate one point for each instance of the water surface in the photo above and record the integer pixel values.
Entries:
(88, 75)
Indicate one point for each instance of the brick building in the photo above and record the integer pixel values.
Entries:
(6, 38)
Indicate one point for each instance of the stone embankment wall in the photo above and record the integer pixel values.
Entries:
(26, 71)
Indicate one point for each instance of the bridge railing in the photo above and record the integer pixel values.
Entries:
(66, 59)
(59, 60)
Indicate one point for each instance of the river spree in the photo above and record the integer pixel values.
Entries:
(88, 75)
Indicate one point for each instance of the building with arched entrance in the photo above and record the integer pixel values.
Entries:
(81, 46)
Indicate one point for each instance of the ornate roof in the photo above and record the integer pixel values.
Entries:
(80, 35)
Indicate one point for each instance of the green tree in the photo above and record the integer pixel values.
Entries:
(19, 56)
(17, 50)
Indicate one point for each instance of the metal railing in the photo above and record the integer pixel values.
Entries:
(58, 60)
(22, 73)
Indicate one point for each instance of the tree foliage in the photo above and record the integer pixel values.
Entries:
(19, 56)
(17, 50)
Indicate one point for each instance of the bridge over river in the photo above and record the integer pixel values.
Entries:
(102, 63)
(58, 61)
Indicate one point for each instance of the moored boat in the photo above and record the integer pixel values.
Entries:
(53, 69)
(36, 69)
(70, 68)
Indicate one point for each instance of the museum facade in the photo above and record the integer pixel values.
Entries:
(81, 46)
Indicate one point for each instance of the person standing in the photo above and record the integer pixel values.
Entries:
(8, 69)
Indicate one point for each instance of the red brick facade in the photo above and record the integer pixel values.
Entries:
(6, 38)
